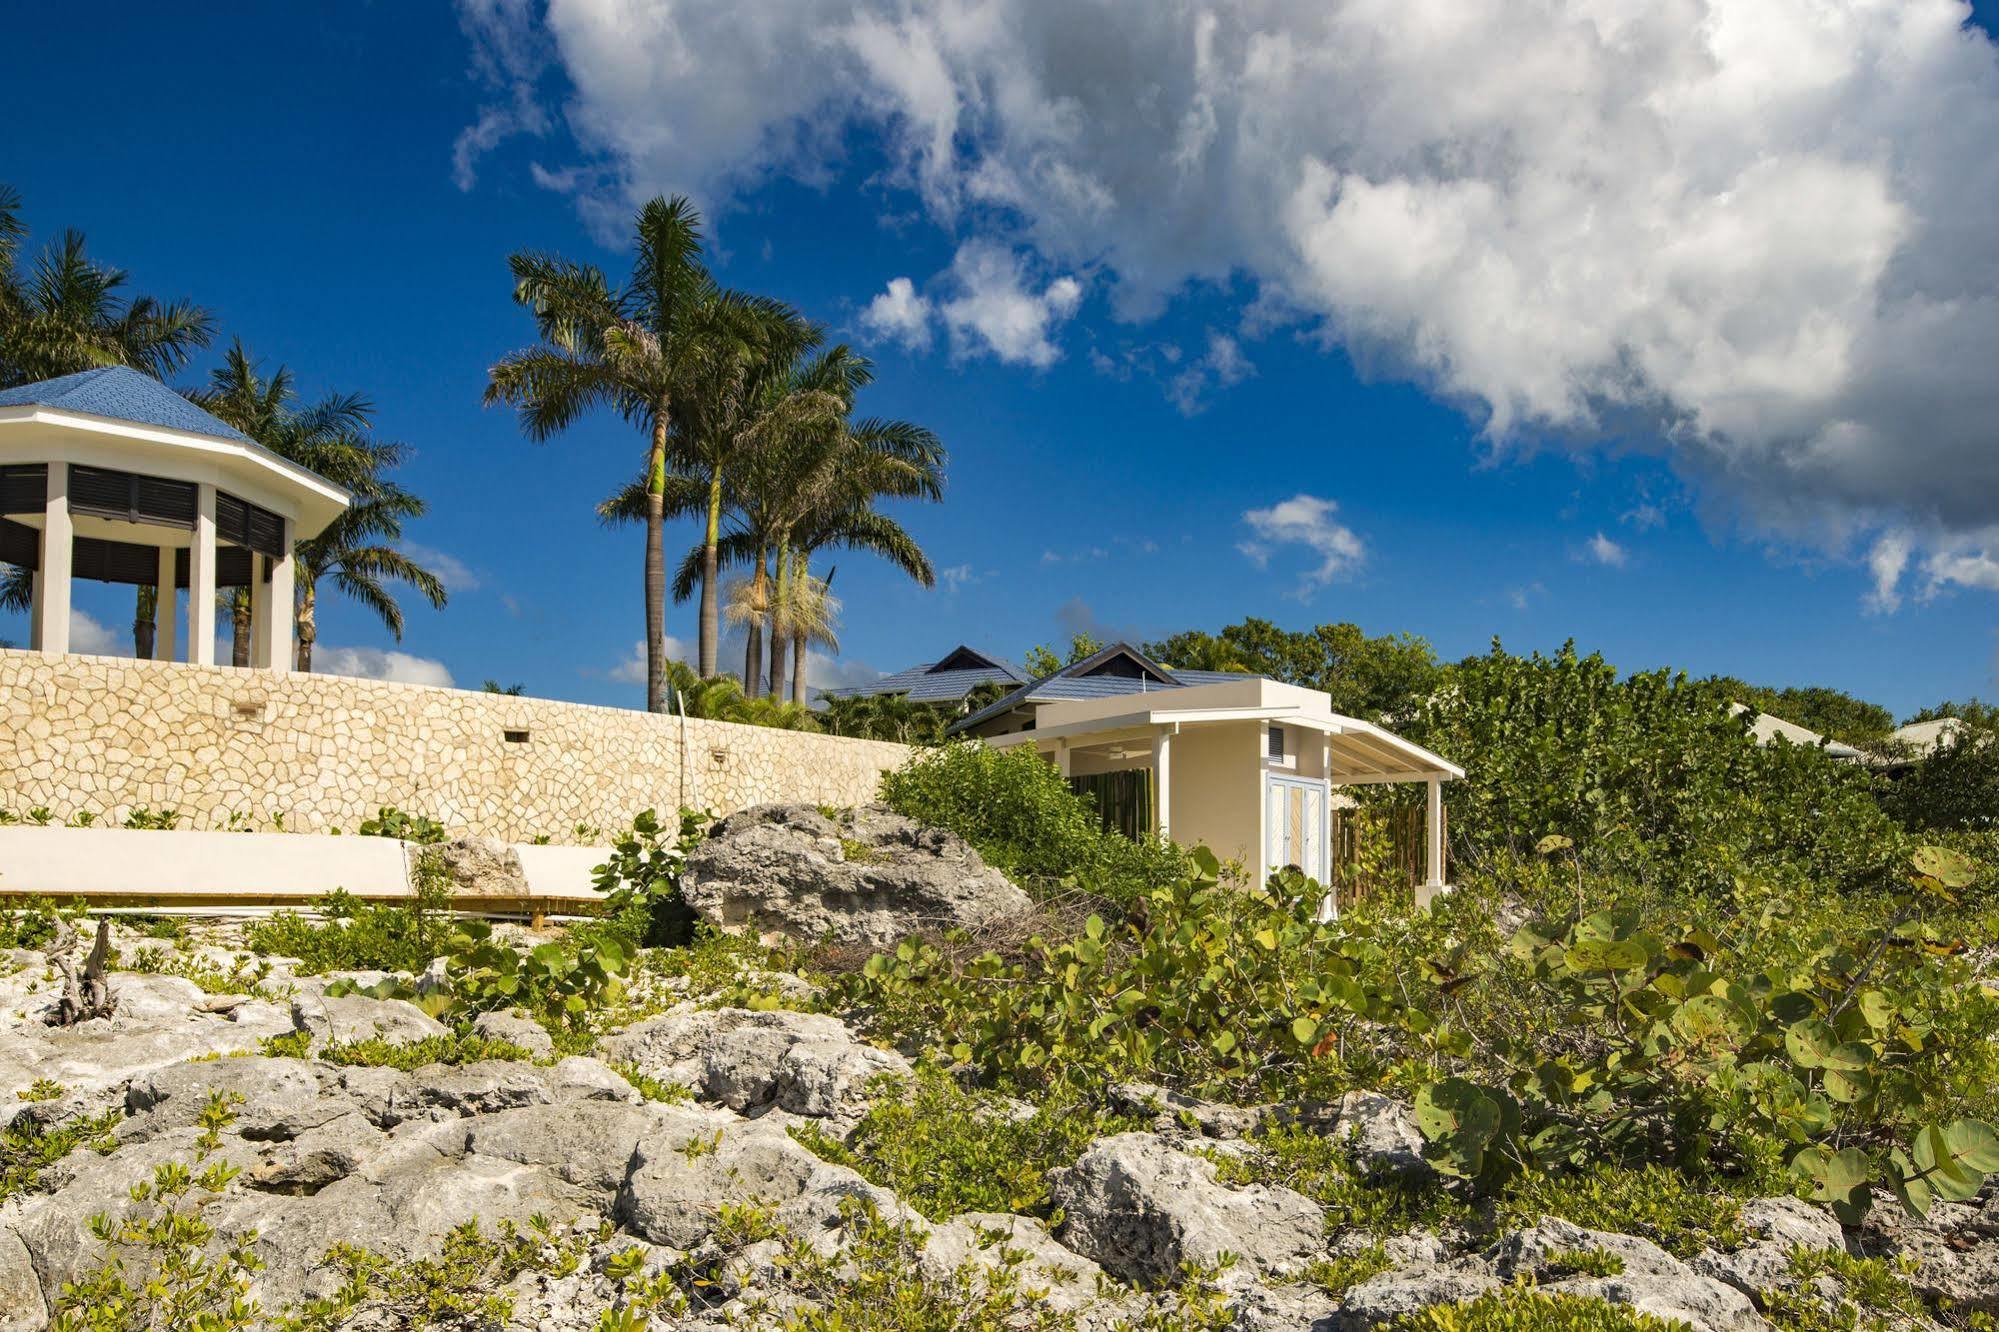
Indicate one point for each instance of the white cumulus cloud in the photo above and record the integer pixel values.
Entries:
(1000, 312)
(379, 664)
(1756, 231)
(1304, 520)
(1600, 549)
(899, 315)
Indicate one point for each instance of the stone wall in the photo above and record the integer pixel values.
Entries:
(107, 734)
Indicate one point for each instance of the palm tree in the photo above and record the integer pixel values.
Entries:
(334, 437)
(638, 350)
(356, 552)
(69, 314)
(807, 487)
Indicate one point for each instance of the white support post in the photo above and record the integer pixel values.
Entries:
(1329, 905)
(201, 580)
(1433, 885)
(260, 612)
(35, 610)
(1062, 757)
(1162, 771)
(58, 545)
(274, 631)
(166, 610)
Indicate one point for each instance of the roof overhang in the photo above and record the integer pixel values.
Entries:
(245, 469)
(1364, 753)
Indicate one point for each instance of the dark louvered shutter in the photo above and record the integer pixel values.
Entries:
(128, 497)
(24, 488)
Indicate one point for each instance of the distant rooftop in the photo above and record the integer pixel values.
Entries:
(948, 679)
(1117, 669)
(122, 394)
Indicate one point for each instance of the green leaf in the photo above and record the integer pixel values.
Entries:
(1973, 1144)
(1304, 1030)
(1809, 1042)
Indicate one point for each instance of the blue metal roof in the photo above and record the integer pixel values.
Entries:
(1071, 682)
(122, 394)
(927, 684)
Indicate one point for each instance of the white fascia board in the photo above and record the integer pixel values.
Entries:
(1420, 756)
(322, 502)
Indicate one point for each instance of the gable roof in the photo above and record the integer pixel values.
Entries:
(1117, 669)
(947, 679)
(122, 394)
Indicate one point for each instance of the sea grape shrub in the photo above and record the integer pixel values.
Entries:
(562, 983)
(1652, 772)
(1850, 1068)
(1204, 986)
(641, 881)
(1020, 814)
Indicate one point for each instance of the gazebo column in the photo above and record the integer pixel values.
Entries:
(201, 580)
(166, 609)
(1433, 885)
(260, 612)
(274, 630)
(1162, 774)
(58, 545)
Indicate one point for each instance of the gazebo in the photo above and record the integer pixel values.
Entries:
(110, 475)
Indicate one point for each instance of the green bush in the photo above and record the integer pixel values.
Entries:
(351, 935)
(458, 1047)
(945, 1150)
(564, 984)
(392, 822)
(641, 884)
(1523, 1309)
(26, 1151)
(31, 925)
(1204, 986)
(1651, 772)
(1020, 814)
(1680, 1214)
(1955, 788)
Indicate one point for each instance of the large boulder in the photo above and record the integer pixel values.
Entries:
(481, 867)
(1141, 1208)
(868, 877)
(750, 1062)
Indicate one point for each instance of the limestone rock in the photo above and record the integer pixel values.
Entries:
(1956, 1247)
(683, 1173)
(1066, 1281)
(1392, 1294)
(1141, 1208)
(790, 871)
(806, 1063)
(482, 867)
(1384, 1133)
(522, 1031)
(1703, 1304)
(355, 1017)
(1526, 1253)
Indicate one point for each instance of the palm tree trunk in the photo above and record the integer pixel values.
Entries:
(308, 630)
(798, 695)
(239, 615)
(711, 610)
(655, 580)
(753, 636)
(779, 640)
(143, 618)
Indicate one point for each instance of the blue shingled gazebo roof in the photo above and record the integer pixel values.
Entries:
(121, 394)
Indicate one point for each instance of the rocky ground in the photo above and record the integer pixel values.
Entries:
(664, 1174)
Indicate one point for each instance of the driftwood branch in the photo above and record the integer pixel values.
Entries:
(85, 994)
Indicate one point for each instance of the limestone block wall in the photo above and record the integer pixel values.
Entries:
(319, 752)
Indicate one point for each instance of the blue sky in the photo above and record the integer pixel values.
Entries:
(303, 186)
